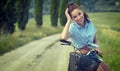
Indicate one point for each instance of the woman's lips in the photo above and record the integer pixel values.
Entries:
(80, 20)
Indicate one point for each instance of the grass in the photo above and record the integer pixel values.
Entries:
(108, 32)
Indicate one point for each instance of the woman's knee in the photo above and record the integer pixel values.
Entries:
(103, 67)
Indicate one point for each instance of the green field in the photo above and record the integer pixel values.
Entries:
(108, 34)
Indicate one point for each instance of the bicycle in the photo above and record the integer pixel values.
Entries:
(85, 62)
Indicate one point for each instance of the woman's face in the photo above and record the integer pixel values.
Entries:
(78, 16)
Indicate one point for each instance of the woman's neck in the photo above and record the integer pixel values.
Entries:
(82, 24)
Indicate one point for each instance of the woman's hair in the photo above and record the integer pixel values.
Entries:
(71, 6)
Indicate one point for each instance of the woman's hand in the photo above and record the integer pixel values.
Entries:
(99, 52)
(67, 15)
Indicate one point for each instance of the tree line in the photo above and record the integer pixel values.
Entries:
(12, 11)
(17, 11)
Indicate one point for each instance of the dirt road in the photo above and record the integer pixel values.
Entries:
(45, 54)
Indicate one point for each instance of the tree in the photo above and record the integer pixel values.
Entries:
(7, 16)
(78, 2)
(54, 12)
(62, 12)
(38, 12)
(23, 13)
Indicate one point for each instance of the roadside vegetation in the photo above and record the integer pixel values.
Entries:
(19, 38)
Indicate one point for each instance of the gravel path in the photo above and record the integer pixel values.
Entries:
(45, 54)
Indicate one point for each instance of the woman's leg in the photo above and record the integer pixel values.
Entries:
(103, 67)
(100, 68)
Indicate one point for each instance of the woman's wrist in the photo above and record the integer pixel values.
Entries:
(68, 20)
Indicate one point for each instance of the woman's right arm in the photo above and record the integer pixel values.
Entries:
(65, 34)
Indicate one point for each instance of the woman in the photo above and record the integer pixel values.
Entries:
(82, 32)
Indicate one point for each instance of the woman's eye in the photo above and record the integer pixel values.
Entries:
(74, 16)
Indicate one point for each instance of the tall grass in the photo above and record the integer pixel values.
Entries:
(108, 34)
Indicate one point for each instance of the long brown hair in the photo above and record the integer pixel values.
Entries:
(71, 6)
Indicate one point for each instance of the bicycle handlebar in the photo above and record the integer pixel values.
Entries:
(65, 42)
